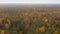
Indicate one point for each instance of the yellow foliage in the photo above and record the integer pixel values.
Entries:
(42, 29)
(56, 32)
(0, 21)
(7, 25)
(8, 22)
(2, 32)
(45, 19)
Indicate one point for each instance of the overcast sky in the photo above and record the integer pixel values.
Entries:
(31, 1)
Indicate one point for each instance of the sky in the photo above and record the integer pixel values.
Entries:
(32, 1)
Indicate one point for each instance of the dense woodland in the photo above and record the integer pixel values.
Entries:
(33, 20)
